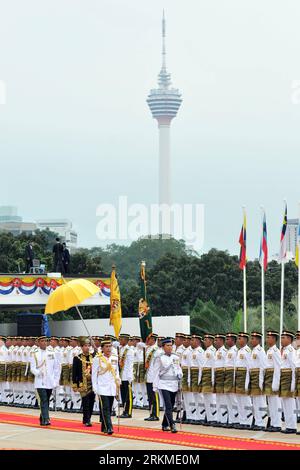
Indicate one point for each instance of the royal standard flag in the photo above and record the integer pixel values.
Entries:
(115, 303)
(144, 309)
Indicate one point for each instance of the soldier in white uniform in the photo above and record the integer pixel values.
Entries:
(45, 367)
(229, 364)
(272, 381)
(178, 346)
(106, 383)
(207, 380)
(167, 375)
(126, 374)
(287, 382)
(151, 356)
(242, 378)
(32, 347)
(219, 373)
(196, 411)
(136, 392)
(3, 359)
(9, 370)
(257, 371)
(297, 387)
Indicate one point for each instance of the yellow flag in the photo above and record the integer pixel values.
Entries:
(115, 304)
(297, 256)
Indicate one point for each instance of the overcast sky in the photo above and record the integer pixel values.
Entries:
(76, 131)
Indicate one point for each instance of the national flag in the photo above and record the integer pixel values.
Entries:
(242, 242)
(115, 303)
(144, 310)
(282, 254)
(263, 255)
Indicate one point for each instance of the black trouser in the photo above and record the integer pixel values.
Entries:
(29, 264)
(153, 398)
(169, 401)
(44, 398)
(58, 266)
(87, 407)
(126, 395)
(105, 403)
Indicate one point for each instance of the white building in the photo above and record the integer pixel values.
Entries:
(164, 103)
(63, 227)
(11, 222)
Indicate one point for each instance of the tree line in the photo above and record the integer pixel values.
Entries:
(179, 281)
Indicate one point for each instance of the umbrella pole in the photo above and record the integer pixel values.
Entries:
(81, 318)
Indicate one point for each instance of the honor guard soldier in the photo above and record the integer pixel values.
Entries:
(9, 370)
(151, 356)
(297, 388)
(106, 383)
(257, 370)
(187, 394)
(168, 373)
(287, 382)
(126, 374)
(136, 393)
(242, 378)
(76, 350)
(221, 401)
(195, 412)
(207, 380)
(82, 379)
(45, 367)
(3, 360)
(229, 389)
(178, 347)
(272, 380)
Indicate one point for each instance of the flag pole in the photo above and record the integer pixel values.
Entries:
(298, 245)
(281, 297)
(262, 265)
(245, 299)
(245, 279)
(283, 259)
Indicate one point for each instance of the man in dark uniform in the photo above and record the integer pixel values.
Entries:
(29, 255)
(82, 379)
(57, 250)
(66, 258)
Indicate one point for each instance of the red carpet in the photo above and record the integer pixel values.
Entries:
(200, 441)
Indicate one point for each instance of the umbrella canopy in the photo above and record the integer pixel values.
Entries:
(70, 295)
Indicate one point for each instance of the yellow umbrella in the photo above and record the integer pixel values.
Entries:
(71, 294)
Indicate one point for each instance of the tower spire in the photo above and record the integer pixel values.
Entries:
(164, 66)
(164, 78)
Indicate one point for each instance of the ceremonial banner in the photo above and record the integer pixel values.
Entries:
(144, 309)
(115, 304)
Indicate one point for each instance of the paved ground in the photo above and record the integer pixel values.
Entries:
(21, 437)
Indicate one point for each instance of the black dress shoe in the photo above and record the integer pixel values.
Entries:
(110, 431)
(125, 415)
(165, 428)
(289, 431)
(151, 418)
(173, 429)
(275, 429)
(88, 425)
(257, 428)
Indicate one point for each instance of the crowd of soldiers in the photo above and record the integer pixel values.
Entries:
(223, 380)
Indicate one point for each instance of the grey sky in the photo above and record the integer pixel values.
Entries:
(76, 130)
